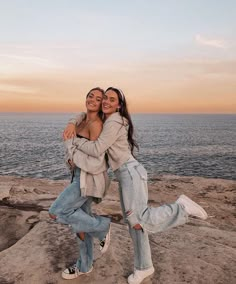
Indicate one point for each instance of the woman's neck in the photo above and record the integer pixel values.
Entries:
(91, 116)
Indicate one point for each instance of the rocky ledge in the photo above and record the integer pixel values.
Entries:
(34, 249)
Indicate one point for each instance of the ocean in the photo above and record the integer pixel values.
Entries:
(204, 145)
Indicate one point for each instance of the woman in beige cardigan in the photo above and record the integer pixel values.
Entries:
(89, 182)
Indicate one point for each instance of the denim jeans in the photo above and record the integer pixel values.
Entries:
(133, 190)
(73, 209)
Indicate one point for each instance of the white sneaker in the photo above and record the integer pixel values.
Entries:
(139, 275)
(104, 244)
(191, 207)
(73, 272)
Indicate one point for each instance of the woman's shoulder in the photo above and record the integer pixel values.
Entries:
(97, 123)
(116, 118)
(95, 129)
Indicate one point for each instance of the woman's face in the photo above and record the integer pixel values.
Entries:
(94, 101)
(110, 103)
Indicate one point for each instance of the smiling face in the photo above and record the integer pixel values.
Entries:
(110, 103)
(94, 101)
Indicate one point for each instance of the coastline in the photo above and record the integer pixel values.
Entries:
(34, 249)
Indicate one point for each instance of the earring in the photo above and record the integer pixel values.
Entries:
(118, 109)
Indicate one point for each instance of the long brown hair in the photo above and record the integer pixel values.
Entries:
(123, 110)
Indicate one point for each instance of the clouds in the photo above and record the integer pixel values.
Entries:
(213, 42)
(56, 57)
(42, 46)
(29, 60)
(10, 88)
(20, 59)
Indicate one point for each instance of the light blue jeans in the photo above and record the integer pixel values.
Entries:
(73, 209)
(133, 189)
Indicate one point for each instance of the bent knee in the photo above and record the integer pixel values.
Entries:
(52, 216)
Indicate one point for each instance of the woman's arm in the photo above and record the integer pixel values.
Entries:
(107, 137)
(85, 162)
(70, 131)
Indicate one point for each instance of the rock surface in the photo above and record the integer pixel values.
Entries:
(34, 249)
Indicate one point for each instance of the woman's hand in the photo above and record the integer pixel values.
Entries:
(72, 165)
(69, 132)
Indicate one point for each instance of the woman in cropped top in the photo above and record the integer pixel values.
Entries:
(116, 139)
(89, 182)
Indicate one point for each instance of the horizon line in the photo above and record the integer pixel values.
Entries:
(51, 112)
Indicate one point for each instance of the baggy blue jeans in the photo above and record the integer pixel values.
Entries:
(133, 189)
(73, 209)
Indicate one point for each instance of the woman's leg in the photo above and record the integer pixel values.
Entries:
(152, 219)
(96, 226)
(159, 219)
(70, 199)
(85, 260)
(134, 197)
(67, 209)
(142, 251)
(67, 202)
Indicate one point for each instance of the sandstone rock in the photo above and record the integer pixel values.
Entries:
(34, 249)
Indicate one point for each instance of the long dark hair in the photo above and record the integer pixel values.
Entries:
(123, 110)
(100, 113)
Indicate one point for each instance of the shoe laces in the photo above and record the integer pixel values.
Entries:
(102, 242)
(72, 268)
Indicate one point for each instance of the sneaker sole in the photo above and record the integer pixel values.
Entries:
(203, 214)
(67, 276)
(107, 243)
(130, 281)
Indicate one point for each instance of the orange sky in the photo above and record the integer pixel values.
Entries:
(169, 87)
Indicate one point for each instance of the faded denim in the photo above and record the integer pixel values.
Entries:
(133, 189)
(73, 209)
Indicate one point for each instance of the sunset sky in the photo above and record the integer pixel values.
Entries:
(172, 56)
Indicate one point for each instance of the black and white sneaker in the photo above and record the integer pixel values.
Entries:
(73, 272)
(104, 244)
